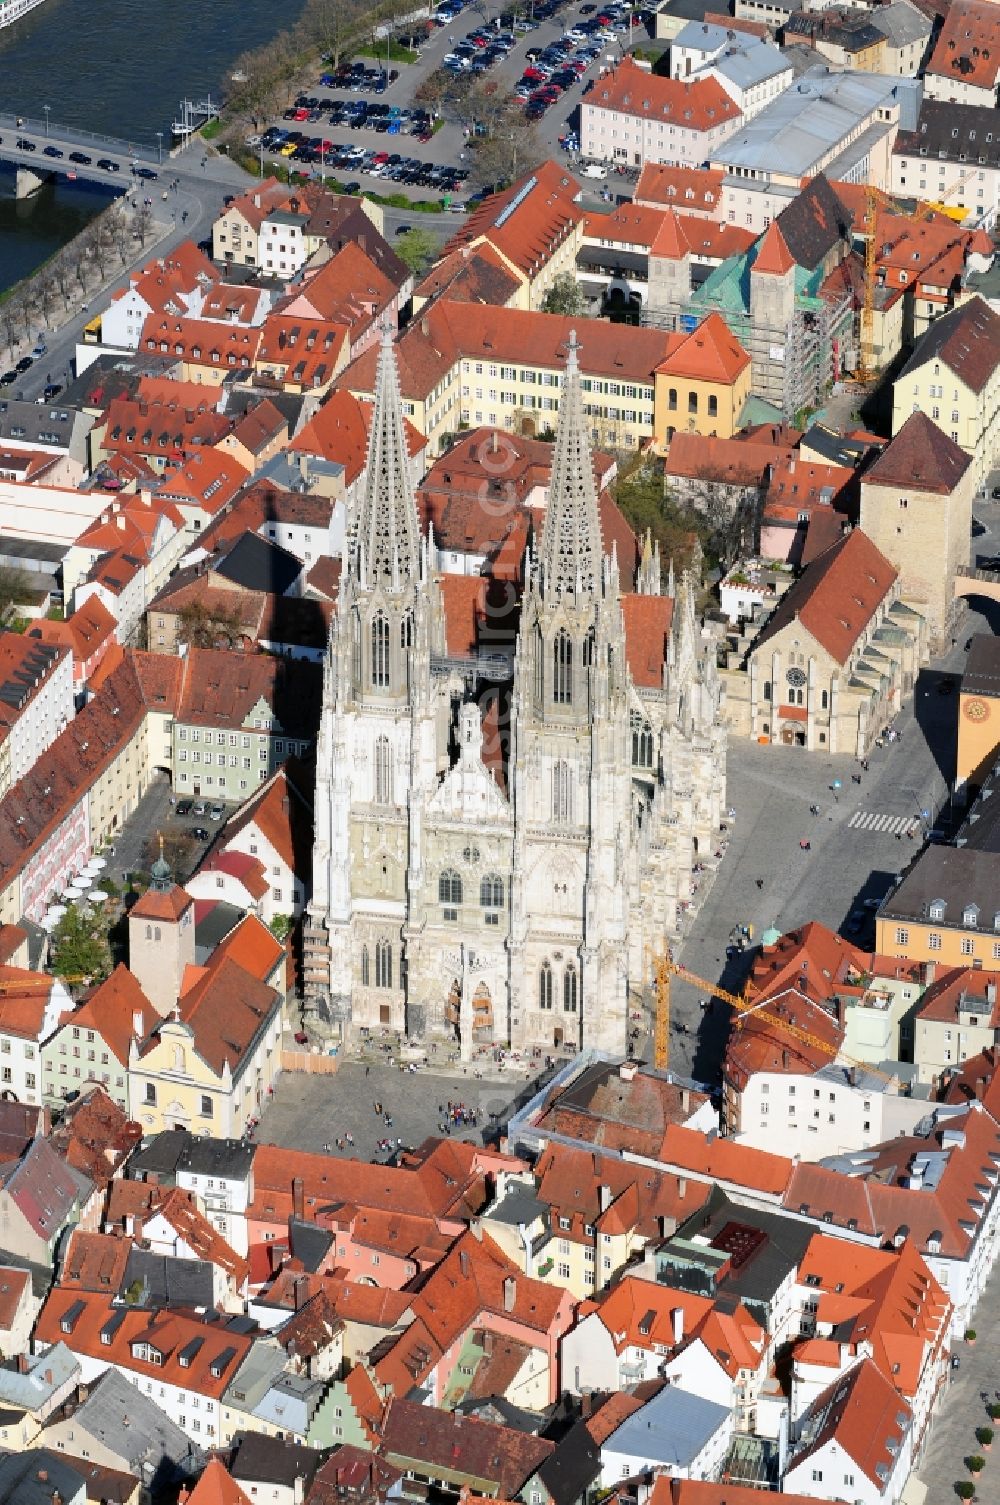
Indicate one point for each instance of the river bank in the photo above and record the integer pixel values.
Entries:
(118, 67)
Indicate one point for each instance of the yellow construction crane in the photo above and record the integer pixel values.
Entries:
(665, 967)
(866, 370)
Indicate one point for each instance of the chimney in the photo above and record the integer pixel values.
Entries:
(685, 1100)
(298, 1199)
(604, 1193)
(784, 1060)
(22, 1363)
(509, 1293)
(682, 1187)
(43, 1476)
(677, 1319)
(298, 1490)
(82, 1391)
(137, 1023)
(463, 1261)
(425, 327)
(301, 1291)
(930, 972)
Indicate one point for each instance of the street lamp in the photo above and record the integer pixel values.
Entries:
(260, 149)
(46, 108)
(159, 146)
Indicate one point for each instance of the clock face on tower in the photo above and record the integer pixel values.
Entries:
(796, 678)
(976, 710)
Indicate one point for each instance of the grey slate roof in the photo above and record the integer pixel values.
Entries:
(259, 565)
(669, 1430)
(39, 1476)
(159, 1156)
(268, 1460)
(571, 1471)
(958, 875)
(28, 1392)
(167, 1281)
(229, 1158)
(117, 1414)
(953, 132)
(820, 111)
(982, 667)
(308, 1243)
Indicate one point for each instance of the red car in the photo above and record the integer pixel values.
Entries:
(535, 75)
(379, 158)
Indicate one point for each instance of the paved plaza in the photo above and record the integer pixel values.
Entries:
(313, 1112)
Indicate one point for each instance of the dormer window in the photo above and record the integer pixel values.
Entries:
(970, 915)
(937, 909)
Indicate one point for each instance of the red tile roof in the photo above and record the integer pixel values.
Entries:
(690, 190)
(647, 636)
(701, 105)
(14, 1285)
(920, 456)
(338, 430)
(967, 51)
(864, 1414)
(837, 596)
(111, 1012)
(526, 222)
(773, 255)
(709, 353)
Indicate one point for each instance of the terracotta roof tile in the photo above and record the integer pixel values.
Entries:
(647, 636)
(837, 596)
(920, 456)
(701, 105)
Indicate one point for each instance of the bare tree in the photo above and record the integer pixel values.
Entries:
(331, 24)
(142, 223)
(8, 322)
(120, 231)
(62, 273)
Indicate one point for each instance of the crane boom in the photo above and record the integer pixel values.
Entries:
(666, 967)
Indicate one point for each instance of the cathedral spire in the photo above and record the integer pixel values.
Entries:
(572, 549)
(388, 532)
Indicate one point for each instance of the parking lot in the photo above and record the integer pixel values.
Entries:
(364, 126)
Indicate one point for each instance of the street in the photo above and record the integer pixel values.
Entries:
(771, 789)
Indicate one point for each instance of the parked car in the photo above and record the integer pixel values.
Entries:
(198, 808)
(184, 807)
(216, 811)
(199, 833)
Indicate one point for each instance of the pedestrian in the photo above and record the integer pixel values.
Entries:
(760, 883)
(367, 1070)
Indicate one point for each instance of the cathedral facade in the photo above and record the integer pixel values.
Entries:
(512, 899)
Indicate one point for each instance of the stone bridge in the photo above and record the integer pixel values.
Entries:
(46, 153)
(971, 581)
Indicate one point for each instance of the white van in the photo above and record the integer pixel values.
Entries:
(593, 170)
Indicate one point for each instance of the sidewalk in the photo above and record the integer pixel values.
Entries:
(953, 1430)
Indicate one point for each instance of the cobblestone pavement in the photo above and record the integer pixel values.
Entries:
(953, 1430)
(313, 1112)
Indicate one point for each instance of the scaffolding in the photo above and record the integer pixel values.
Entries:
(792, 367)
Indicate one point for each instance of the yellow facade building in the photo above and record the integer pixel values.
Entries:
(979, 712)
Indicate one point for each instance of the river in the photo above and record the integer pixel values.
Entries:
(119, 67)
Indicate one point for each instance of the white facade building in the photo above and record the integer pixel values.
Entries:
(752, 70)
(515, 906)
(36, 701)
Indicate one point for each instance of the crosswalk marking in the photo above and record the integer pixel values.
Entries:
(878, 823)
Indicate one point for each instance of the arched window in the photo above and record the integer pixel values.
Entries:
(380, 651)
(449, 887)
(569, 990)
(767, 689)
(824, 699)
(562, 668)
(642, 743)
(562, 794)
(366, 969)
(545, 986)
(406, 630)
(356, 645)
(149, 932)
(589, 648)
(491, 891)
(383, 772)
(383, 964)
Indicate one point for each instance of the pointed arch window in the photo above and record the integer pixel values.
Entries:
(383, 772)
(366, 970)
(383, 964)
(449, 887)
(380, 651)
(406, 631)
(491, 891)
(356, 645)
(562, 793)
(539, 666)
(569, 990)
(562, 668)
(545, 986)
(642, 743)
(589, 648)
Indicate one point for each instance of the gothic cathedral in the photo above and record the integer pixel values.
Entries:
(509, 900)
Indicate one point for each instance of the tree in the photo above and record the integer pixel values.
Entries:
(418, 249)
(142, 222)
(199, 626)
(15, 590)
(564, 297)
(331, 24)
(281, 927)
(80, 950)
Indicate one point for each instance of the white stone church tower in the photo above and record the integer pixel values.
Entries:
(522, 910)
